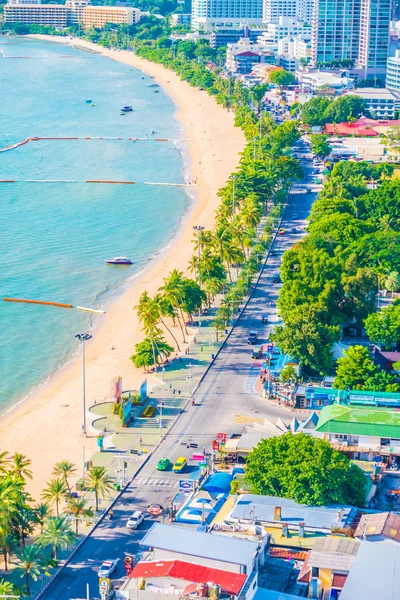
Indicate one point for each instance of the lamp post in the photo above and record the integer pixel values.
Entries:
(83, 337)
(199, 229)
(234, 177)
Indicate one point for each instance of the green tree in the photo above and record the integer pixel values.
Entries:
(383, 327)
(57, 534)
(289, 374)
(392, 282)
(345, 108)
(30, 561)
(392, 140)
(319, 145)
(313, 111)
(19, 466)
(99, 482)
(77, 507)
(354, 368)
(149, 350)
(55, 492)
(8, 589)
(305, 469)
(64, 469)
(282, 78)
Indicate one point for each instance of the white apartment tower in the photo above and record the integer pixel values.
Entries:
(209, 14)
(301, 9)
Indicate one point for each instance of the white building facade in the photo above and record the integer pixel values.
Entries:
(301, 9)
(209, 14)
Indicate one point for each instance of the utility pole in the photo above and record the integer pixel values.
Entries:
(199, 229)
(83, 337)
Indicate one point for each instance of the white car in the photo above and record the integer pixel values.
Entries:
(135, 520)
(107, 568)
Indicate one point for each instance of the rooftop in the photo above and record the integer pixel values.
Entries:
(375, 573)
(383, 524)
(197, 543)
(333, 553)
(262, 508)
(378, 93)
(231, 583)
(350, 129)
(375, 422)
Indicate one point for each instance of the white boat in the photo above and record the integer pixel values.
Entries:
(118, 260)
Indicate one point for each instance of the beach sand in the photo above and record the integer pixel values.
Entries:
(47, 426)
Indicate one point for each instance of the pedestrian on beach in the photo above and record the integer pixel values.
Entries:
(179, 392)
(170, 386)
(173, 391)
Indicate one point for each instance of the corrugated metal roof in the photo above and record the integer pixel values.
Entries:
(248, 441)
(334, 553)
(230, 583)
(384, 524)
(374, 573)
(197, 543)
(376, 422)
(262, 508)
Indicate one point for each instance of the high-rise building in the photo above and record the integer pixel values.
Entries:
(301, 9)
(208, 14)
(374, 37)
(336, 30)
(352, 29)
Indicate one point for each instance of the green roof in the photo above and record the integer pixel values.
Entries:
(375, 422)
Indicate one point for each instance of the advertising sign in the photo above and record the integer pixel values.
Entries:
(186, 485)
(222, 437)
(104, 587)
(215, 445)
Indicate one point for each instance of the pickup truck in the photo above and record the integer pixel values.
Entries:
(253, 335)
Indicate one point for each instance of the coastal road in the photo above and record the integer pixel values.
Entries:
(223, 402)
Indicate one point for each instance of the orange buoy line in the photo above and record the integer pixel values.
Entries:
(26, 301)
(7, 180)
(108, 181)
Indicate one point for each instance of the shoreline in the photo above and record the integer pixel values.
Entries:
(53, 411)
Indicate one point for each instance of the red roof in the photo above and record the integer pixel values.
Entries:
(338, 580)
(230, 583)
(350, 129)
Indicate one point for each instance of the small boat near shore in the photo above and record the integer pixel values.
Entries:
(89, 101)
(153, 85)
(118, 260)
(126, 109)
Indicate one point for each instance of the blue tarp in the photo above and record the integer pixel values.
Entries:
(218, 483)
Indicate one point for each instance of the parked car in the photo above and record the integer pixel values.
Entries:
(281, 231)
(163, 464)
(257, 353)
(253, 335)
(295, 216)
(135, 520)
(293, 230)
(107, 568)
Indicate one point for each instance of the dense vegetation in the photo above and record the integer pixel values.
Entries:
(32, 535)
(305, 469)
(330, 278)
(320, 110)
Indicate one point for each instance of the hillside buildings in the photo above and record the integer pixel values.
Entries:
(70, 13)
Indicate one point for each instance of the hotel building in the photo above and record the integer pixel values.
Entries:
(209, 14)
(301, 9)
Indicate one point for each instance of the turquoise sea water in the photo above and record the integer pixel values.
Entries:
(54, 237)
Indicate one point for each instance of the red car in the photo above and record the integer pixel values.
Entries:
(155, 509)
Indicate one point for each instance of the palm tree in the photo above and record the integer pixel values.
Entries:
(55, 491)
(173, 291)
(99, 482)
(77, 508)
(165, 310)
(19, 466)
(7, 589)
(30, 561)
(42, 512)
(64, 469)
(8, 543)
(58, 534)
(4, 462)
(393, 282)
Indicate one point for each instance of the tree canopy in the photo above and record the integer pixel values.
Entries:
(282, 78)
(357, 371)
(305, 469)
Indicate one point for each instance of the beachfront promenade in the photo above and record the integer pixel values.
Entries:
(224, 402)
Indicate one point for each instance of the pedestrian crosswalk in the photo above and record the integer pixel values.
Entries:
(156, 482)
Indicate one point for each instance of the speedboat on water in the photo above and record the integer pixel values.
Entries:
(88, 101)
(119, 260)
(126, 109)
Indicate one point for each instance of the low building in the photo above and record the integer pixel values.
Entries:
(171, 542)
(241, 57)
(330, 561)
(385, 360)
(350, 129)
(379, 526)
(289, 63)
(362, 433)
(315, 79)
(70, 13)
(180, 19)
(380, 102)
(284, 27)
(374, 574)
(288, 514)
(393, 72)
(224, 36)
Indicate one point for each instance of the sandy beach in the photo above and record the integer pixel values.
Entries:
(47, 426)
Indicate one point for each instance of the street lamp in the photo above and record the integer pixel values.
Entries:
(199, 229)
(83, 337)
